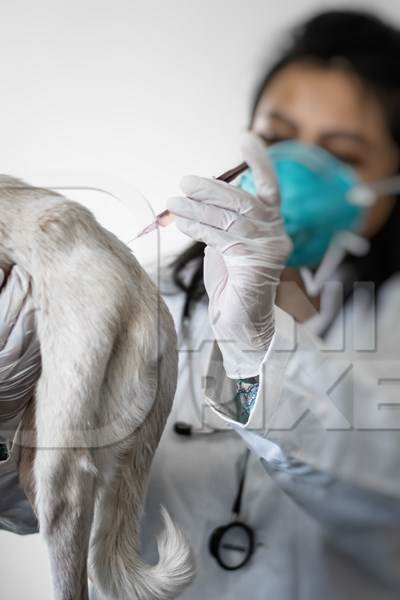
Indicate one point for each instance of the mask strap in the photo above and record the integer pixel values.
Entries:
(368, 193)
(345, 242)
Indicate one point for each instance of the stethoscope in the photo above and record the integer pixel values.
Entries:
(232, 545)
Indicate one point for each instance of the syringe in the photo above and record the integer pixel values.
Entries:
(165, 218)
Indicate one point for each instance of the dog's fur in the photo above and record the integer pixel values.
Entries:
(109, 365)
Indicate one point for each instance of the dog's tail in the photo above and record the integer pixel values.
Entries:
(115, 566)
(118, 572)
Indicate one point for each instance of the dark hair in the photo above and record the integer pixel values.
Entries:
(370, 48)
(355, 41)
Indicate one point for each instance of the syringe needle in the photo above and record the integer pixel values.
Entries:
(165, 217)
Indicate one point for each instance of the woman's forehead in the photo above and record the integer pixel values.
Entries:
(320, 98)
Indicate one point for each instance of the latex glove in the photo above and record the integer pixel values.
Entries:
(247, 249)
(19, 346)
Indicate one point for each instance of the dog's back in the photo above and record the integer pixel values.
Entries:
(108, 378)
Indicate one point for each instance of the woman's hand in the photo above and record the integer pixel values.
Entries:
(19, 345)
(247, 249)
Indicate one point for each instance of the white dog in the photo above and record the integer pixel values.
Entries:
(109, 365)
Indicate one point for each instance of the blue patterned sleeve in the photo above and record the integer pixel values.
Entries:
(245, 397)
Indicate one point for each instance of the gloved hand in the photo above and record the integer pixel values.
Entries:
(19, 346)
(247, 249)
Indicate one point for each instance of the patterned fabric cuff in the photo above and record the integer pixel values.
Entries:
(245, 397)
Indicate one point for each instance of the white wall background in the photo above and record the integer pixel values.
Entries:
(128, 93)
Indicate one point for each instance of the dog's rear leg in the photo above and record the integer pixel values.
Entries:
(64, 504)
(65, 478)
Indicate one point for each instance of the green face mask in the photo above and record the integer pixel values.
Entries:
(314, 188)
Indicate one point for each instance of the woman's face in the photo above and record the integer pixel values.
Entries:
(331, 108)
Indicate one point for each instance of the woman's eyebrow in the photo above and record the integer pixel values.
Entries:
(274, 114)
(352, 136)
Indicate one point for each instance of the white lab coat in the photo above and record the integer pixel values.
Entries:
(325, 505)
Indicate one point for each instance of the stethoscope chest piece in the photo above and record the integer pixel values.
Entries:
(232, 545)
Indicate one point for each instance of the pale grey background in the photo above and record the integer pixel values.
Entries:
(135, 91)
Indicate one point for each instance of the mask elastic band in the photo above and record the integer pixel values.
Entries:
(367, 194)
(345, 242)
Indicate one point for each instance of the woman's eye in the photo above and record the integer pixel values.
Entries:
(353, 161)
(274, 139)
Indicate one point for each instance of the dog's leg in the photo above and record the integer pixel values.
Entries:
(64, 506)
(65, 481)
(59, 485)
(76, 344)
(64, 501)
